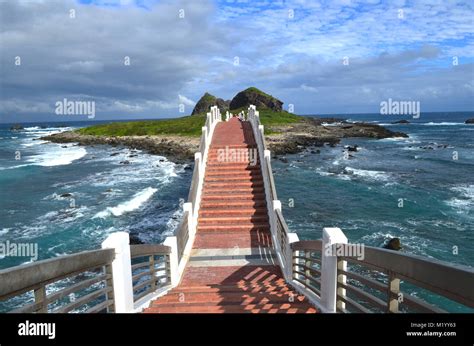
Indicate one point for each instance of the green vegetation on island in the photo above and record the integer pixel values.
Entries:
(269, 107)
(184, 126)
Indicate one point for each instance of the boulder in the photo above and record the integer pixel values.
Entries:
(16, 128)
(254, 96)
(393, 244)
(470, 121)
(401, 122)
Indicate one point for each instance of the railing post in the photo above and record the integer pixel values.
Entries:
(292, 238)
(204, 134)
(188, 207)
(394, 291)
(329, 267)
(172, 242)
(121, 271)
(40, 297)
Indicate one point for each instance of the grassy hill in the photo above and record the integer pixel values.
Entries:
(184, 126)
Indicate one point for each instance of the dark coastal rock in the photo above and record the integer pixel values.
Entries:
(64, 146)
(126, 162)
(135, 240)
(401, 122)
(469, 121)
(17, 127)
(283, 159)
(66, 195)
(208, 100)
(114, 154)
(320, 121)
(393, 244)
(254, 96)
(352, 147)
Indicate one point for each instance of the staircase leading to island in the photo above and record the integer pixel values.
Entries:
(233, 252)
(232, 267)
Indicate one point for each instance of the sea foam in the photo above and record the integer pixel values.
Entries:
(136, 202)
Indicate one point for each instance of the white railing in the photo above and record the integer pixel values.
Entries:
(186, 232)
(281, 237)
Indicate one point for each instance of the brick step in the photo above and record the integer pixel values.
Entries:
(231, 168)
(234, 184)
(235, 196)
(231, 180)
(233, 220)
(231, 212)
(239, 159)
(248, 227)
(241, 298)
(239, 173)
(232, 146)
(217, 309)
(212, 205)
(276, 286)
(222, 239)
(237, 190)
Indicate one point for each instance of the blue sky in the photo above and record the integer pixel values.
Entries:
(293, 50)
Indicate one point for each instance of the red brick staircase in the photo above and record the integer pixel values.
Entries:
(232, 267)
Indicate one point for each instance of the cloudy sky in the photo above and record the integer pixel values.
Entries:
(335, 56)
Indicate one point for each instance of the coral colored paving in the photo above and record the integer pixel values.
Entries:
(232, 267)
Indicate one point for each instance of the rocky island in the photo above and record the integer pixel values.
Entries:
(178, 139)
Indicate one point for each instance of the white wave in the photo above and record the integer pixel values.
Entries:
(409, 243)
(57, 156)
(128, 206)
(371, 175)
(63, 215)
(444, 123)
(466, 199)
(4, 231)
(393, 139)
(142, 168)
(33, 143)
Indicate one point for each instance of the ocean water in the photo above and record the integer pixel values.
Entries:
(361, 195)
(142, 197)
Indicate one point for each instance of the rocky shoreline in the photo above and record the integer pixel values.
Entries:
(177, 149)
(281, 140)
(317, 132)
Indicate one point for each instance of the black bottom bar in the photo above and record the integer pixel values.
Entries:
(165, 329)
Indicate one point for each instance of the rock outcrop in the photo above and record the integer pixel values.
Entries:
(470, 121)
(254, 96)
(208, 100)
